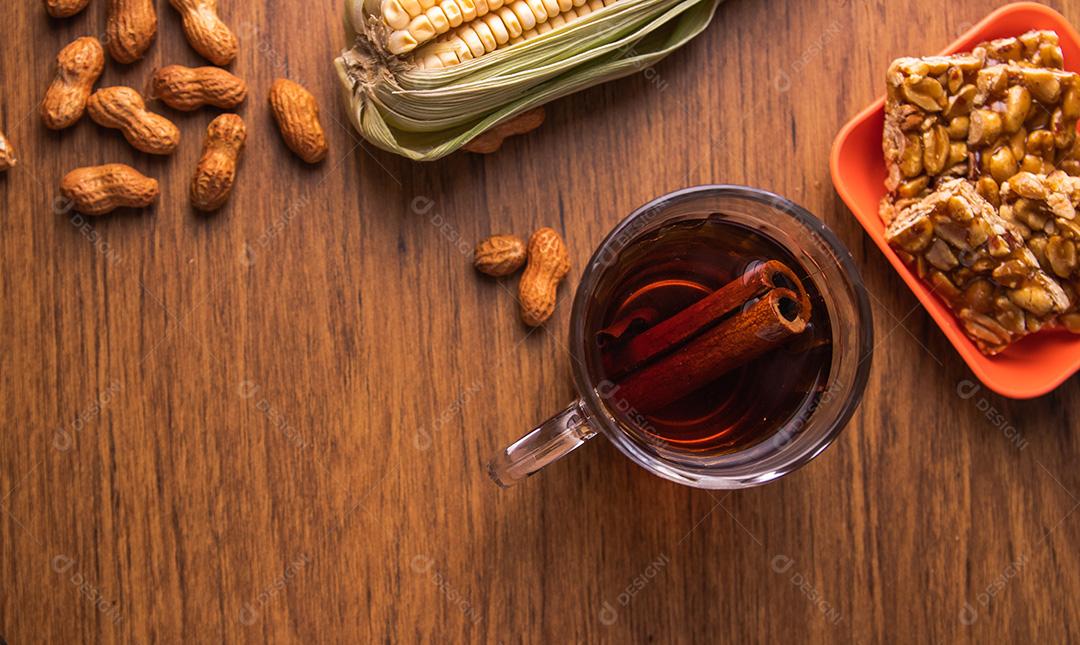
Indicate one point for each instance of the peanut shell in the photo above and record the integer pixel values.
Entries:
(206, 31)
(130, 28)
(216, 172)
(122, 108)
(65, 8)
(78, 67)
(190, 88)
(548, 264)
(297, 115)
(499, 255)
(98, 190)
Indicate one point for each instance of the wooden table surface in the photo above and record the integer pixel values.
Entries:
(270, 424)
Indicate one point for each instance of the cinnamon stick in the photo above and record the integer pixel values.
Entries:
(764, 325)
(693, 320)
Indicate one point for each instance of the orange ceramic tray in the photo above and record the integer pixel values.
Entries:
(1036, 364)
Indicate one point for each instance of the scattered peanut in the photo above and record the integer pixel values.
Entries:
(216, 172)
(493, 139)
(205, 30)
(78, 67)
(65, 8)
(130, 29)
(499, 255)
(297, 115)
(189, 88)
(7, 154)
(549, 262)
(102, 189)
(123, 109)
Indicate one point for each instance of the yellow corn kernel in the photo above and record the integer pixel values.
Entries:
(412, 7)
(438, 19)
(538, 10)
(467, 34)
(497, 28)
(394, 14)
(401, 42)
(426, 4)
(452, 11)
(524, 14)
(460, 47)
(484, 7)
(484, 33)
(441, 57)
(421, 29)
(509, 18)
(468, 10)
(552, 7)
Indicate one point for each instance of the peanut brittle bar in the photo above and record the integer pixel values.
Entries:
(978, 262)
(1043, 209)
(1004, 108)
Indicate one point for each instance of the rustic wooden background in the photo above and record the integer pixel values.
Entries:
(270, 424)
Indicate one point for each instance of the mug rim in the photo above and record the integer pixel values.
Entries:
(681, 473)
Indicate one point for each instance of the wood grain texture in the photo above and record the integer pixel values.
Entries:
(270, 424)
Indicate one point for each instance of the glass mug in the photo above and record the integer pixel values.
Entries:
(826, 262)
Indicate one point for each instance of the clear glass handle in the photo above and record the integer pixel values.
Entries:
(551, 441)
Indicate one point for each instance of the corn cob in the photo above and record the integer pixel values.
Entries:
(408, 91)
(504, 26)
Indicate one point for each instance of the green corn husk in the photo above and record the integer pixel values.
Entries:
(425, 114)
